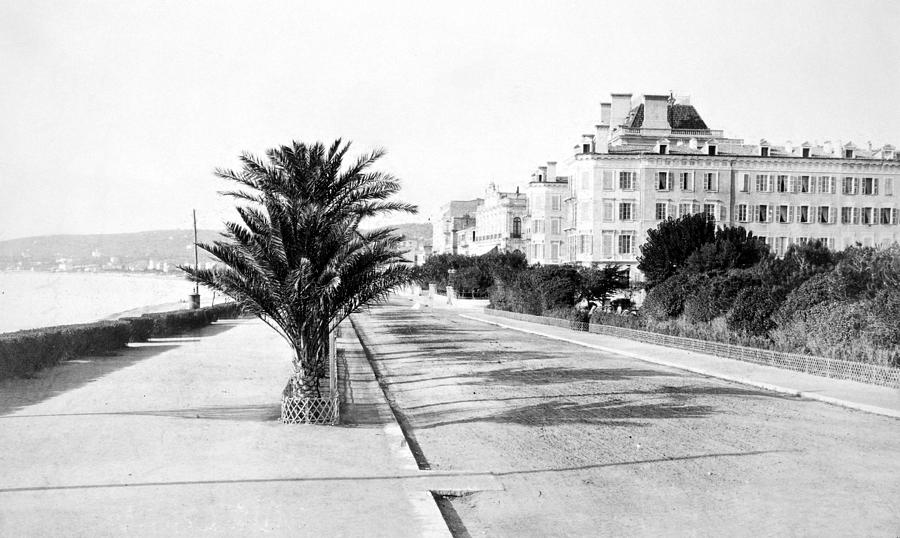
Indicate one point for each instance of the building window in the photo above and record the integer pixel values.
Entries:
(626, 211)
(555, 202)
(711, 181)
(782, 184)
(684, 208)
(762, 183)
(537, 226)
(850, 185)
(539, 251)
(555, 226)
(745, 183)
(742, 212)
(625, 244)
(782, 214)
(608, 215)
(885, 215)
(826, 185)
(804, 185)
(607, 180)
(607, 245)
(711, 150)
(805, 153)
(585, 148)
(764, 151)
(686, 181)
(870, 186)
(661, 210)
(585, 244)
(554, 250)
(848, 153)
(710, 210)
(762, 213)
(855, 215)
(824, 214)
(663, 181)
(846, 215)
(888, 186)
(780, 245)
(663, 149)
(867, 215)
(585, 180)
(803, 214)
(626, 181)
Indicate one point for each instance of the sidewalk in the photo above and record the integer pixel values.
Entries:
(852, 394)
(180, 437)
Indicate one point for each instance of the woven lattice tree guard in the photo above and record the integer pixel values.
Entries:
(325, 409)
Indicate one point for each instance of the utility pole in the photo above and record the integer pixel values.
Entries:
(195, 298)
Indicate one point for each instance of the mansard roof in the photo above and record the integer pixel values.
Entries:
(679, 116)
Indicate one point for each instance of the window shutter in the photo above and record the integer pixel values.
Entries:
(769, 213)
(875, 186)
(895, 215)
(856, 185)
(888, 186)
(833, 184)
(790, 213)
(832, 215)
(723, 213)
(672, 211)
(607, 180)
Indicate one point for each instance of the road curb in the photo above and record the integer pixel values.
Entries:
(744, 381)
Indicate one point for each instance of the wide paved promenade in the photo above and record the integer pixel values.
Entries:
(594, 443)
(179, 437)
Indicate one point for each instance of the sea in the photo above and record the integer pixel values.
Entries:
(35, 299)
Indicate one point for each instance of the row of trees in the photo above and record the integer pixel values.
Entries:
(724, 284)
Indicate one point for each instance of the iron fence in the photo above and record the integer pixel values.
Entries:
(872, 374)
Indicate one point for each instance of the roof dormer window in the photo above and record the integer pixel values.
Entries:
(848, 153)
(764, 151)
(663, 149)
(711, 149)
(805, 153)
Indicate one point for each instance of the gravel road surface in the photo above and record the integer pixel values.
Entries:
(593, 444)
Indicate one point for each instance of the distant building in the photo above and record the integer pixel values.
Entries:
(499, 222)
(545, 220)
(452, 216)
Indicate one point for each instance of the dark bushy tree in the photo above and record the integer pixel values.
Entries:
(298, 259)
(669, 245)
(598, 284)
(733, 248)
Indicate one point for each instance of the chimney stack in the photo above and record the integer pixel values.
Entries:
(619, 109)
(656, 112)
(604, 113)
(551, 170)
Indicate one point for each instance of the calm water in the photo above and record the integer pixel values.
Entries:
(33, 299)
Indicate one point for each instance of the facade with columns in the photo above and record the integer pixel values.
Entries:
(654, 158)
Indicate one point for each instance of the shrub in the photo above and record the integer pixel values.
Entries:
(752, 312)
(623, 302)
(577, 317)
(24, 352)
(816, 290)
(666, 300)
(627, 321)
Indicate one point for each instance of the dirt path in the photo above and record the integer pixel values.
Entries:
(588, 443)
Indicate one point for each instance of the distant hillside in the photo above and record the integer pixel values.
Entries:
(415, 230)
(160, 246)
(127, 251)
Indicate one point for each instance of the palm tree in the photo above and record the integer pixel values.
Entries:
(298, 259)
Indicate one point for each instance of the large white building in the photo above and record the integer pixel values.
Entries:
(499, 222)
(655, 158)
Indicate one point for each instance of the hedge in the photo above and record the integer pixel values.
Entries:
(24, 352)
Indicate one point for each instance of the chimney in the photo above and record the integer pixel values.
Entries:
(829, 150)
(604, 113)
(619, 109)
(789, 147)
(601, 139)
(656, 112)
(551, 170)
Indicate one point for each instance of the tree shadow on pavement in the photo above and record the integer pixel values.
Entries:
(613, 412)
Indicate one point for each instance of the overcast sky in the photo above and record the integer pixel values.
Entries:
(113, 114)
